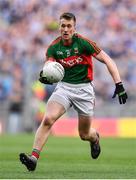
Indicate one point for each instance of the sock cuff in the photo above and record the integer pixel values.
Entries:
(36, 153)
(36, 150)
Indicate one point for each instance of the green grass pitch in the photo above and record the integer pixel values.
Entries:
(69, 158)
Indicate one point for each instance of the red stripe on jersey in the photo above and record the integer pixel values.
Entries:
(90, 73)
(92, 43)
(90, 66)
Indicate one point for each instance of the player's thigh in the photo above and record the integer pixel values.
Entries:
(84, 124)
(85, 101)
(54, 110)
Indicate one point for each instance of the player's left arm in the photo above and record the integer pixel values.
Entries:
(113, 70)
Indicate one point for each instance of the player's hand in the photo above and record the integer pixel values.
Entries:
(120, 91)
(43, 79)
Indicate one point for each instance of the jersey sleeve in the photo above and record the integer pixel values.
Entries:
(50, 52)
(91, 48)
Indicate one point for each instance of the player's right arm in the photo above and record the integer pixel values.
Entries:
(49, 58)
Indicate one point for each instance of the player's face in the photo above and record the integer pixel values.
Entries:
(67, 29)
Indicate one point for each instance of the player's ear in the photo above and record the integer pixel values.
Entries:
(74, 29)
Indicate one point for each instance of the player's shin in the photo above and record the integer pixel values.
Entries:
(40, 139)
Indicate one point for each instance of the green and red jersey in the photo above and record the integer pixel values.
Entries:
(75, 58)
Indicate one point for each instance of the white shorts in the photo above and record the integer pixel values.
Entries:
(80, 96)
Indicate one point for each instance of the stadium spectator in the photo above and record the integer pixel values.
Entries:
(15, 108)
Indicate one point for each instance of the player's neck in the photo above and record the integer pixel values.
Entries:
(67, 42)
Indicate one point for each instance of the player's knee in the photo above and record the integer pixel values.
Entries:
(48, 121)
(83, 136)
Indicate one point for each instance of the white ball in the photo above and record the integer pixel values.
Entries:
(53, 71)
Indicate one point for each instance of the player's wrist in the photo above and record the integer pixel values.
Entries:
(118, 83)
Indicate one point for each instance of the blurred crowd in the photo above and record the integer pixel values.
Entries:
(28, 27)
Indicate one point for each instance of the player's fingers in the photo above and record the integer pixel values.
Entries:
(125, 98)
(120, 100)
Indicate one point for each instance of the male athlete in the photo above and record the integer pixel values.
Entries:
(75, 53)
